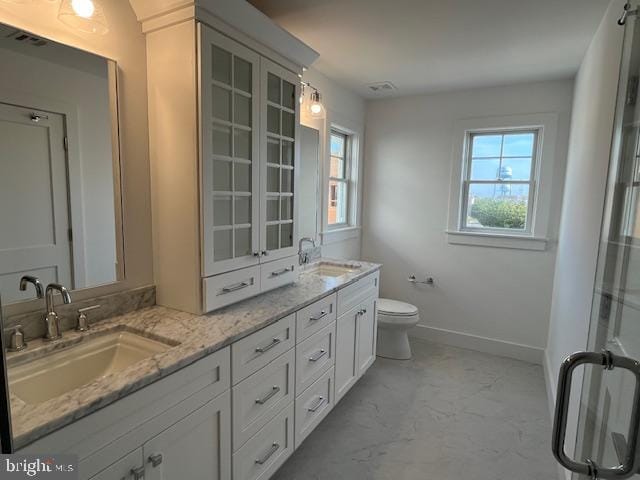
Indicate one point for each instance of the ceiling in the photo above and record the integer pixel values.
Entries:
(426, 46)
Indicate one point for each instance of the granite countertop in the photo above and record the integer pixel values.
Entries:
(192, 336)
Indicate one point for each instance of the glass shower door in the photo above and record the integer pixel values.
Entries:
(609, 415)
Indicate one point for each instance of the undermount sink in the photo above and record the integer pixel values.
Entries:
(332, 270)
(58, 373)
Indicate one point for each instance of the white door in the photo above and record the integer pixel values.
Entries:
(198, 446)
(367, 336)
(279, 161)
(229, 91)
(346, 352)
(34, 211)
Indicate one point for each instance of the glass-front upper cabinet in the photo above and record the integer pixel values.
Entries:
(280, 118)
(230, 149)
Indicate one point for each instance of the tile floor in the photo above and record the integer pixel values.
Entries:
(447, 414)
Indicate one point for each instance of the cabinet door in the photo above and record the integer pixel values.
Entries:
(346, 352)
(230, 148)
(127, 468)
(279, 160)
(367, 331)
(198, 446)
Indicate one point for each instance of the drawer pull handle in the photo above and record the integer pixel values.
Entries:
(323, 313)
(235, 288)
(266, 348)
(155, 459)
(137, 473)
(267, 397)
(274, 448)
(318, 355)
(281, 272)
(318, 404)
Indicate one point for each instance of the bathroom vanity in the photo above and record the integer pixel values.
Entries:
(230, 395)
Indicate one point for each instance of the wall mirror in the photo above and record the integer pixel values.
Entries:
(309, 206)
(60, 201)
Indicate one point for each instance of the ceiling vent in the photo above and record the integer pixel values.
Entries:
(382, 87)
(27, 38)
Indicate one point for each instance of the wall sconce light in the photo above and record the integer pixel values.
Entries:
(314, 106)
(84, 15)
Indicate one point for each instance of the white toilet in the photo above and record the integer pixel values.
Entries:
(394, 321)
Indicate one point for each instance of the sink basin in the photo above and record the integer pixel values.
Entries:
(332, 270)
(58, 373)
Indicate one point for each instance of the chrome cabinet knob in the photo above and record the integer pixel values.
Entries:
(137, 473)
(155, 459)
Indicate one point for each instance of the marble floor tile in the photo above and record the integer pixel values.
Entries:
(447, 414)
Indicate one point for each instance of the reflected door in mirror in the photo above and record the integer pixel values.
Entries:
(33, 199)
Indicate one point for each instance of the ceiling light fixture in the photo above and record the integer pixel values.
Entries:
(84, 15)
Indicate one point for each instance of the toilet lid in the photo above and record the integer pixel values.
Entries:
(394, 307)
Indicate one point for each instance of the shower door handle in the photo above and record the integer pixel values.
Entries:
(631, 462)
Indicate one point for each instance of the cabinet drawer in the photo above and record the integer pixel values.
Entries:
(267, 450)
(314, 356)
(315, 317)
(278, 273)
(313, 405)
(228, 288)
(257, 399)
(356, 293)
(253, 352)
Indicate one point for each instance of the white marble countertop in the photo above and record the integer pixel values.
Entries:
(194, 337)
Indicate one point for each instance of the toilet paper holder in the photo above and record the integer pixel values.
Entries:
(427, 281)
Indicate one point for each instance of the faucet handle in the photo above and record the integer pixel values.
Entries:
(16, 341)
(83, 324)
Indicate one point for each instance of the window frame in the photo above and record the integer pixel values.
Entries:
(549, 181)
(346, 180)
(532, 182)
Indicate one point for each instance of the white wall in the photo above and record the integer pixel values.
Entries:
(347, 110)
(485, 298)
(588, 160)
(125, 44)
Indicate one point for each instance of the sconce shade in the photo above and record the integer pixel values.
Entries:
(84, 15)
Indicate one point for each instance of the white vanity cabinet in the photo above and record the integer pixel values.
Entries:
(238, 413)
(356, 332)
(195, 447)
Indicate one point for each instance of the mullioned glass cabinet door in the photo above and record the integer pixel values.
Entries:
(280, 120)
(230, 151)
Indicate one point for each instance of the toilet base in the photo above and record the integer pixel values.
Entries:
(393, 343)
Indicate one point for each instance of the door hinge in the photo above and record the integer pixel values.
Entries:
(70, 235)
(65, 142)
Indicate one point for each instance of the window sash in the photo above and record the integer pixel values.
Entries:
(467, 181)
(345, 182)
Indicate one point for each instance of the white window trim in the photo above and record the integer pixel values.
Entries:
(339, 233)
(348, 154)
(536, 237)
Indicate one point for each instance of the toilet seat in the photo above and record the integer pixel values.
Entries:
(396, 308)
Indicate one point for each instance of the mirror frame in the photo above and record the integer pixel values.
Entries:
(73, 156)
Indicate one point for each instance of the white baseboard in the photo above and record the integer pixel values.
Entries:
(480, 344)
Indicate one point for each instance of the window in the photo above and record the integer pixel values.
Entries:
(498, 190)
(339, 179)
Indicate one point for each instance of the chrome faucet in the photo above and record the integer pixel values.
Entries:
(302, 255)
(35, 281)
(52, 322)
